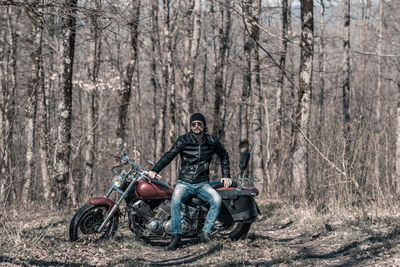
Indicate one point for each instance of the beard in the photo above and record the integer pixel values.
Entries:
(198, 132)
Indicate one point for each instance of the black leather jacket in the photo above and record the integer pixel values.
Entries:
(195, 157)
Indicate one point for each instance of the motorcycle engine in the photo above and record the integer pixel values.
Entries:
(157, 221)
(188, 221)
(161, 214)
(152, 219)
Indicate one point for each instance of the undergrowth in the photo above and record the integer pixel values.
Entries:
(283, 235)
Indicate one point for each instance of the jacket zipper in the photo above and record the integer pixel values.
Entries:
(198, 160)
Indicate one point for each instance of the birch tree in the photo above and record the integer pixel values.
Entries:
(303, 109)
(257, 96)
(8, 85)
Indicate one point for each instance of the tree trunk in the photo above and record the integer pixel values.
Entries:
(171, 89)
(63, 146)
(322, 64)
(224, 29)
(43, 136)
(155, 46)
(257, 96)
(397, 176)
(378, 95)
(165, 82)
(303, 109)
(91, 114)
(249, 44)
(281, 81)
(31, 107)
(282, 92)
(125, 94)
(346, 83)
(9, 86)
(192, 41)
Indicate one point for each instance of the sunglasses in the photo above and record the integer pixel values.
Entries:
(194, 124)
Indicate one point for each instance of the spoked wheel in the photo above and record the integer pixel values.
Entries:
(233, 231)
(87, 220)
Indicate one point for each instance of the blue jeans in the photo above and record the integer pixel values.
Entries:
(182, 192)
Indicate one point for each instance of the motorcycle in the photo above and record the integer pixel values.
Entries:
(148, 208)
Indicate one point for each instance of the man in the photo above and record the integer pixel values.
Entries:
(196, 149)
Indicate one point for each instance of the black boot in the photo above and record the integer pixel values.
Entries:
(174, 244)
(205, 237)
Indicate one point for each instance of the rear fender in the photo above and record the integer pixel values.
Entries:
(104, 201)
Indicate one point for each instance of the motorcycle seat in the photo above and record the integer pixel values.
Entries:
(194, 201)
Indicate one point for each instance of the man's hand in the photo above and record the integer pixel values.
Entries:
(153, 175)
(227, 182)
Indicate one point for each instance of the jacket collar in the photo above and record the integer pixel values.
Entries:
(194, 139)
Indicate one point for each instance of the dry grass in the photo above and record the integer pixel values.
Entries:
(284, 236)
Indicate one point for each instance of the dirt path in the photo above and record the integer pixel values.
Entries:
(282, 237)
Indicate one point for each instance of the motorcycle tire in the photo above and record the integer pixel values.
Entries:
(239, 231)
(87, 219)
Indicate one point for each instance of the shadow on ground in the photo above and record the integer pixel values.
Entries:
(29, 262)
(357, 252)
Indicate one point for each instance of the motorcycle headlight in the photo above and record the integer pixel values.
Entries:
(117, 181)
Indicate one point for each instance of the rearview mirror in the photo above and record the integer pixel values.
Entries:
(244, 161)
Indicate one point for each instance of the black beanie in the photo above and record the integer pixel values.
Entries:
(198, 117)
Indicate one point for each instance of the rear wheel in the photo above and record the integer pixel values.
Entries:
(87, 220)
(234, 231)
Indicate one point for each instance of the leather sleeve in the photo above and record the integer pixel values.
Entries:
(224, 157)
(169, 156)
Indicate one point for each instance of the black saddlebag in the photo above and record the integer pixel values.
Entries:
(237, 206)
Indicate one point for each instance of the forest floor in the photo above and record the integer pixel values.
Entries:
(283, 236)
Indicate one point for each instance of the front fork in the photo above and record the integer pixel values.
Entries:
(114, 207)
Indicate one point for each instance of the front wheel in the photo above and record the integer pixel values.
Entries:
(87, 220)
(234, 231)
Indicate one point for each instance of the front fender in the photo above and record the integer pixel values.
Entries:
(104, 201)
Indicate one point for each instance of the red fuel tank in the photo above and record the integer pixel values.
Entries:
(153, 190)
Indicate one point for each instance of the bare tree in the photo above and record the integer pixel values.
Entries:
(282, 64)
(31, 107)
(303, 109)
(397, 175)
(248, 18)
(191, 44)
(63, 146)
(91, 94)
(322, 62)
(346, 76)
(379, 91)
(223, 29)
(8, 86)
(43, 136)
(126, 92)
(257, 99)
(155, 82)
